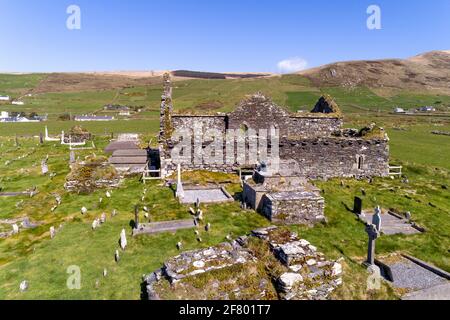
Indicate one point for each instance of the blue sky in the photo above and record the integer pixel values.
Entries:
(214, 35)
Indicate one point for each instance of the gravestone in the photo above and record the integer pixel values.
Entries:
(197, 204)
(72, 158)
(180, 189)
(376, 219)
(84, 210)
(23, 286)
(117, 256)
(123, 239)
(136, 217)
(15, 228)
(52, 232)
(408, 215)
(103, 218)
(357, 206)
(373, 231)
(44, 167)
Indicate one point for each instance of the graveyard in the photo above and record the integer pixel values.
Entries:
(62, 208)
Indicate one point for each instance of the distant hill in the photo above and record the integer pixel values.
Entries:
(216, 75)
(76, 82)
(429, 71)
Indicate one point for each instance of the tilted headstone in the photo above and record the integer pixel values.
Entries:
(117, 256)
(103, 218)
(15, 228)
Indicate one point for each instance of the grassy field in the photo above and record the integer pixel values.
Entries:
(33, 256)
(43, 262)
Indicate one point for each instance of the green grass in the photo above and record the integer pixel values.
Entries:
(98, 128)
(31, 255)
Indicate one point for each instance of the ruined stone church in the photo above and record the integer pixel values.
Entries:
(312, 145)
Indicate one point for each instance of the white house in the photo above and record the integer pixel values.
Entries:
(5, 98)
(18, 103)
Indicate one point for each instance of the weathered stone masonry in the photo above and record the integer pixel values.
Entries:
(331, 157)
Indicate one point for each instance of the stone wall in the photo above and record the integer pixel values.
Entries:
(205, 122)
(310, 127)
(323, 158)
(294, 208)
(259, 112)
(337, 157)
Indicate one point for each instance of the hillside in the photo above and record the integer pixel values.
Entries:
(428, 71)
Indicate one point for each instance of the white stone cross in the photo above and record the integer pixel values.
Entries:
(376, 219)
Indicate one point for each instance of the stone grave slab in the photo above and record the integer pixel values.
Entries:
(209, 195)
(391, 223)
(420, 279)
(164, 226)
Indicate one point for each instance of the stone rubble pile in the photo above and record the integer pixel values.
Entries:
(191, 263)
(307, 274)
(311, 276)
